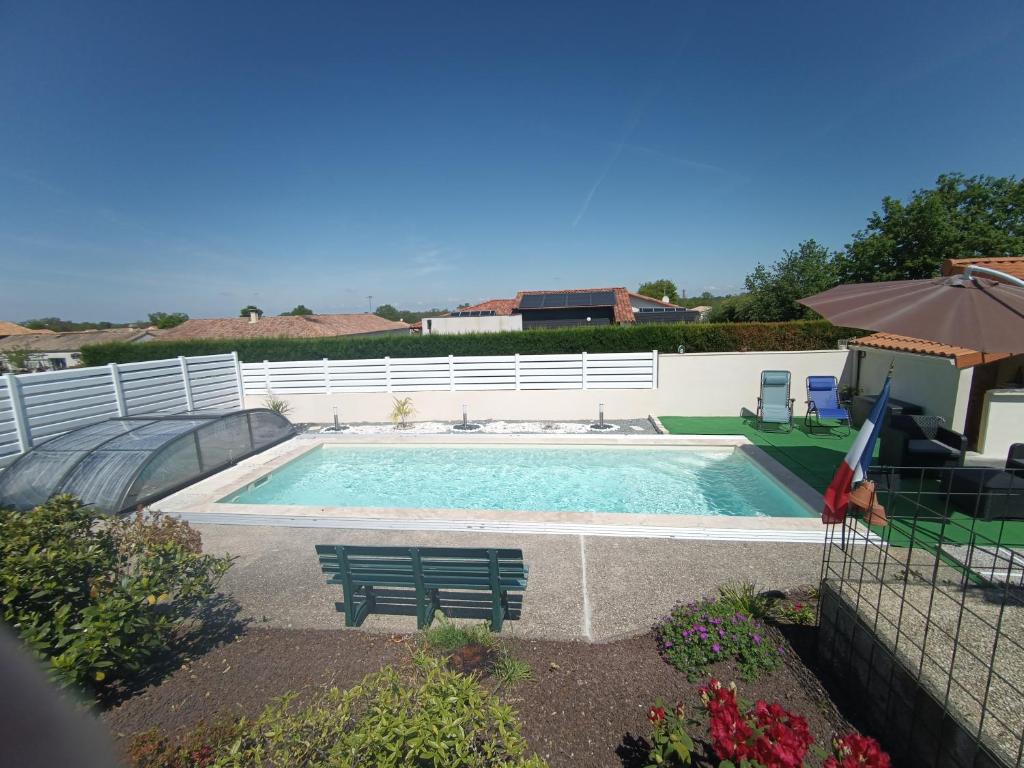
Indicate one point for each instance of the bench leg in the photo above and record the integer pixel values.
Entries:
(499, 607)
(365, 608)
(426, 608)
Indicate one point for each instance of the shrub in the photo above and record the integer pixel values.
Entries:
(423, 715)
(445, 636)
(744, 597)
(697, 635)
(696, 337)
(509, 670)
(100, 598)
(401, 412)
(277, 404)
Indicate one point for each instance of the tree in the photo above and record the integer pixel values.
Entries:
(249, 309)
(167, 320)
(657, 289)
(387, 311)
(299, 310)
(772, 291)
(18, 358)
(961, 217)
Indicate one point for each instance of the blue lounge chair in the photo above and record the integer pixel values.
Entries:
(823, 403)
(774, 405)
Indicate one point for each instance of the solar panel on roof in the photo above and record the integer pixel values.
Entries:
(532, 301)
(602, 298)
(555, 300)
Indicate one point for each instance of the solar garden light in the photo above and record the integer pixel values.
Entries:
(338, 426)
(465, 426)
(600, 425)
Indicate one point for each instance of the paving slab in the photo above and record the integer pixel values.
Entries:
(591, 588)
(632, 582)
(277, 580)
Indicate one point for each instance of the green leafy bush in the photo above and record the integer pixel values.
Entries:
(419, 715)
(697, 337)
(98, 597)
(697, 635)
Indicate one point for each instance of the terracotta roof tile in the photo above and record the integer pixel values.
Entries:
(1011, 265)
(498, 306)
(70, 341)
(8, 328)
(961, 356)
(289, 326)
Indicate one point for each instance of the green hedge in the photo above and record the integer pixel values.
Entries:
(704, 337)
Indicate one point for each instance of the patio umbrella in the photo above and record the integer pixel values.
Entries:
(960, 310)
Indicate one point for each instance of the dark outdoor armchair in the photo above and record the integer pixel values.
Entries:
(920, 441)
(990, 494)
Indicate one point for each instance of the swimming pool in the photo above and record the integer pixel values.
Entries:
(705, 481)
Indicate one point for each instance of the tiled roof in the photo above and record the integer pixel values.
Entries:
(290, 326)
(961, 356)
(70, 341)
(623, 309)
(498, 306)
(1011, 265)
(8, 328)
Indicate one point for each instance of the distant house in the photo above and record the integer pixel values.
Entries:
(567, 308)
(287, 326)
(8, 328)
(55, 351)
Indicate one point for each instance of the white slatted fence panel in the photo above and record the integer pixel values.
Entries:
(55, 402)
(419, 374)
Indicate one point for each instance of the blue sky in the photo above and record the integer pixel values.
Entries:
(200, 156)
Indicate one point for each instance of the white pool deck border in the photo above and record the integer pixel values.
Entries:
(201, 502)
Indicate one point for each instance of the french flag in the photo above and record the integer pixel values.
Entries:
(855, 466)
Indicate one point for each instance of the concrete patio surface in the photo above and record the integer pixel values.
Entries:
(590, 588)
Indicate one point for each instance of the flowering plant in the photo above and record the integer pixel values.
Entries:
(765, 734)
(671, 744)
(697, 635)
(856, 751)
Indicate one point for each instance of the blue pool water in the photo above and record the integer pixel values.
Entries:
(677, 481)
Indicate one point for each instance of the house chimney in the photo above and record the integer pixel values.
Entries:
(254, 317)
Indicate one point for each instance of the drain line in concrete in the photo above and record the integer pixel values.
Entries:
(583, 582)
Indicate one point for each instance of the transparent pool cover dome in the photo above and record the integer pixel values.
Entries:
(118, 464)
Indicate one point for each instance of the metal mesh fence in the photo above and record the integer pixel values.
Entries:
(941, 585)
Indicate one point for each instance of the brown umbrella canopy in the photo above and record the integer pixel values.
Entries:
(971, 312)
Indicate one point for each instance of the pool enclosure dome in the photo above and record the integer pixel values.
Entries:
(118, 464)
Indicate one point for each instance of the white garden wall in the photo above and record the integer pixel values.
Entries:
(713, 384)
(934, 383)
(1002, 422)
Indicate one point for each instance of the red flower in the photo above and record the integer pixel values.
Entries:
(656, 714)
(856, 751)
(766, 734)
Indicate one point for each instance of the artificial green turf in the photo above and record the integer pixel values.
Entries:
(815, 455)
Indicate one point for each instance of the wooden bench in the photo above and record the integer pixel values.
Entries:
(426, 570)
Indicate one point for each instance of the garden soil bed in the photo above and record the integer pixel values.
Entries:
(585, 706)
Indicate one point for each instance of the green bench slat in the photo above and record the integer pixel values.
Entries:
(426, 552)
(358, 570)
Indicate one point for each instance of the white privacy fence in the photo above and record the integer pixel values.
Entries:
(638, 370)
(37, 406)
